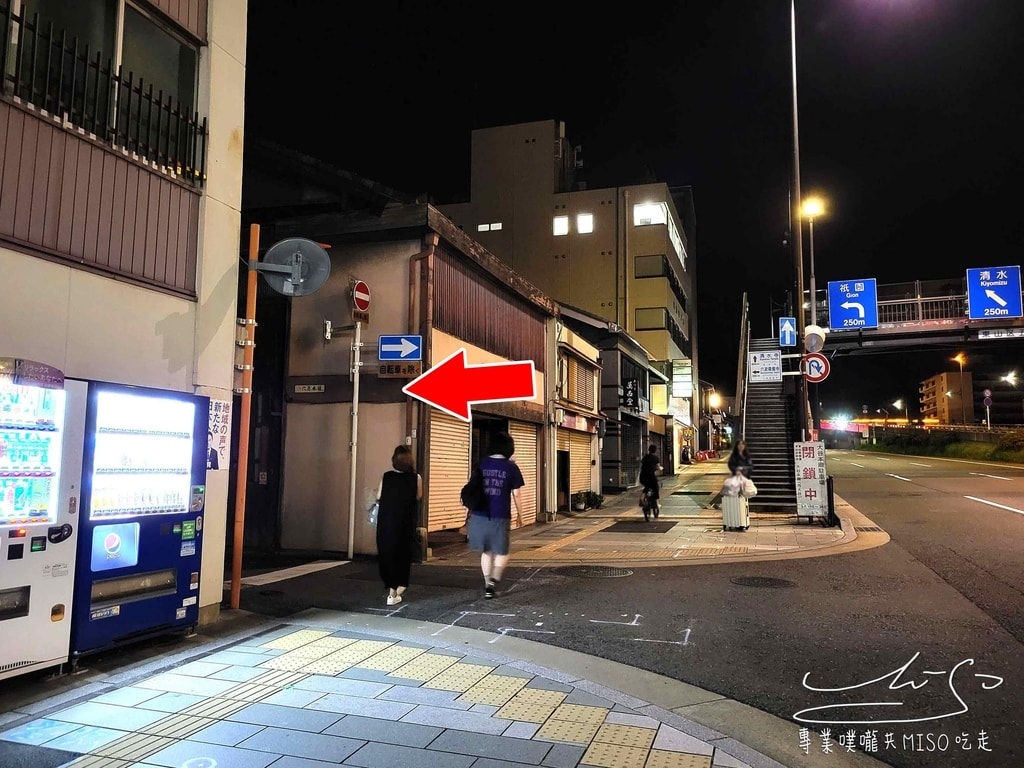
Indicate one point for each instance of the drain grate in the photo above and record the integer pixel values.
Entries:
(867, 528)
(592, 571)
(762, 581)
(694, 493)
(640, 526)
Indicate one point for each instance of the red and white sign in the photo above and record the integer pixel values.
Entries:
(816, 367)
(361, 296)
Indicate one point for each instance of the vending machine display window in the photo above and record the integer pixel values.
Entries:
(31, 419)
(143, 457)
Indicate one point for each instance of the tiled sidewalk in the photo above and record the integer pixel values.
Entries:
(305, 696)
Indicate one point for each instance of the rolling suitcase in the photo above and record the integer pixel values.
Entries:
(735, 513)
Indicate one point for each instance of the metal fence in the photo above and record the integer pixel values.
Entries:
(42, 67)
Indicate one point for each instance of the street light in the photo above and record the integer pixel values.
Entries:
(812, 206)
(797, 229)
(906, 408)
(1011, 379)
(885, 417)
(961, 358)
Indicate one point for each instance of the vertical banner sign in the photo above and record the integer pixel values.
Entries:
(811, 480)
(631, 393)
(220, 434)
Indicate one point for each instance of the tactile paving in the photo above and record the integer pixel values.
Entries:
(425, 666)
(580, 713)
(660, 758)
(614, 756)
(458, 677)
(278, 678)
(294, 639)
(250, 692)
(525, 711)
(179, 725)
(98, 761)
(134, 747)
(626, 735)
(217, 708)
(566, 730)
(391, 658)
(495, 690)
(320, 648)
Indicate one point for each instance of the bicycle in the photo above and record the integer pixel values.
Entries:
(649, 504)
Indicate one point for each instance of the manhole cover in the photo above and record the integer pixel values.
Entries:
(592, 571)
(762, 581)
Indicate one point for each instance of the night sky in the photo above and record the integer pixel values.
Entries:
(911, 116)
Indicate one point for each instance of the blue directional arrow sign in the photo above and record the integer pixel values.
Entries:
(852, 304)
(400, 348)
(787, 331)
(993, 292)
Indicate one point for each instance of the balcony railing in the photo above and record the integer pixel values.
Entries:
(44, 68)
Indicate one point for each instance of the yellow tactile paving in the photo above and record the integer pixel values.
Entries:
(290, 662)
(626, 735)
(98, 761)
(218, 708)
(179, 725)
(135, 747)
(458, 677)
(321, 647)
(581, 713)
(425, 666)
(250, 692)
(494, 690)
(566, 730)
(531, 705)
(391, 658)
(660, 758)
(277, 677)
(574, 537)
(614, 756)
(295, 639)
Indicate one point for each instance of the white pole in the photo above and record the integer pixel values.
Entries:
(356, 345)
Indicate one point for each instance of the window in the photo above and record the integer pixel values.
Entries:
(651, 319)
(561, 225)
(645, 214)
(651, 266)
(488, 227)
(111, 69)
(585, 223)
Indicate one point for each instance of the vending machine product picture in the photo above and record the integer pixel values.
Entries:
(39, 513)
(143, 498)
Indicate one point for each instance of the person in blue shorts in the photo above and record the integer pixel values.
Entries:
(489, 528)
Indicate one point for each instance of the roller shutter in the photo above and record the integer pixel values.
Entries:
(562, 438)
(525, 436)
(579, 461)
(448, 458)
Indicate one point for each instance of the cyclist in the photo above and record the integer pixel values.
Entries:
(649, 468)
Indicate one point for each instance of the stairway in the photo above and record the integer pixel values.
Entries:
(770, 431)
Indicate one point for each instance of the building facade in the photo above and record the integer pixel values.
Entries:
(947, 397)
(621, 254)
(120, 198)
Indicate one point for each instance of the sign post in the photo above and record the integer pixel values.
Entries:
(811, 480)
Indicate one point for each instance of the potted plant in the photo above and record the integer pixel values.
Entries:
(594, 500)
(579, 500)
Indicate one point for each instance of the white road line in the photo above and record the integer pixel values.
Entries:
(993, 504)
(882, 458)
(857, 465)
(919, 465)
(994, 477)
(289, 573)
(905, 479)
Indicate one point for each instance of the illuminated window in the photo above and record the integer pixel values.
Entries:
(561, 225)
(585, 223)
(488, 227)
(649, 213)
(495, 226)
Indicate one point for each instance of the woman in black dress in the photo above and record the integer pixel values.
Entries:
(398, 494)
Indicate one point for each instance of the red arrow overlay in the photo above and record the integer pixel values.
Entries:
(451, 385)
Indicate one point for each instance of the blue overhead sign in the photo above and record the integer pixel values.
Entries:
(400, 348)
(993, 292)
(787, 331)
(852, 304)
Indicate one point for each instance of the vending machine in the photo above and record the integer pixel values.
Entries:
(40, 485)
(143, 498)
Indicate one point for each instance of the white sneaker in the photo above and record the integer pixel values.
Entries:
(399, 591)
(394, 599)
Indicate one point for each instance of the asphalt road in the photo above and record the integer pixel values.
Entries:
(942, 602)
